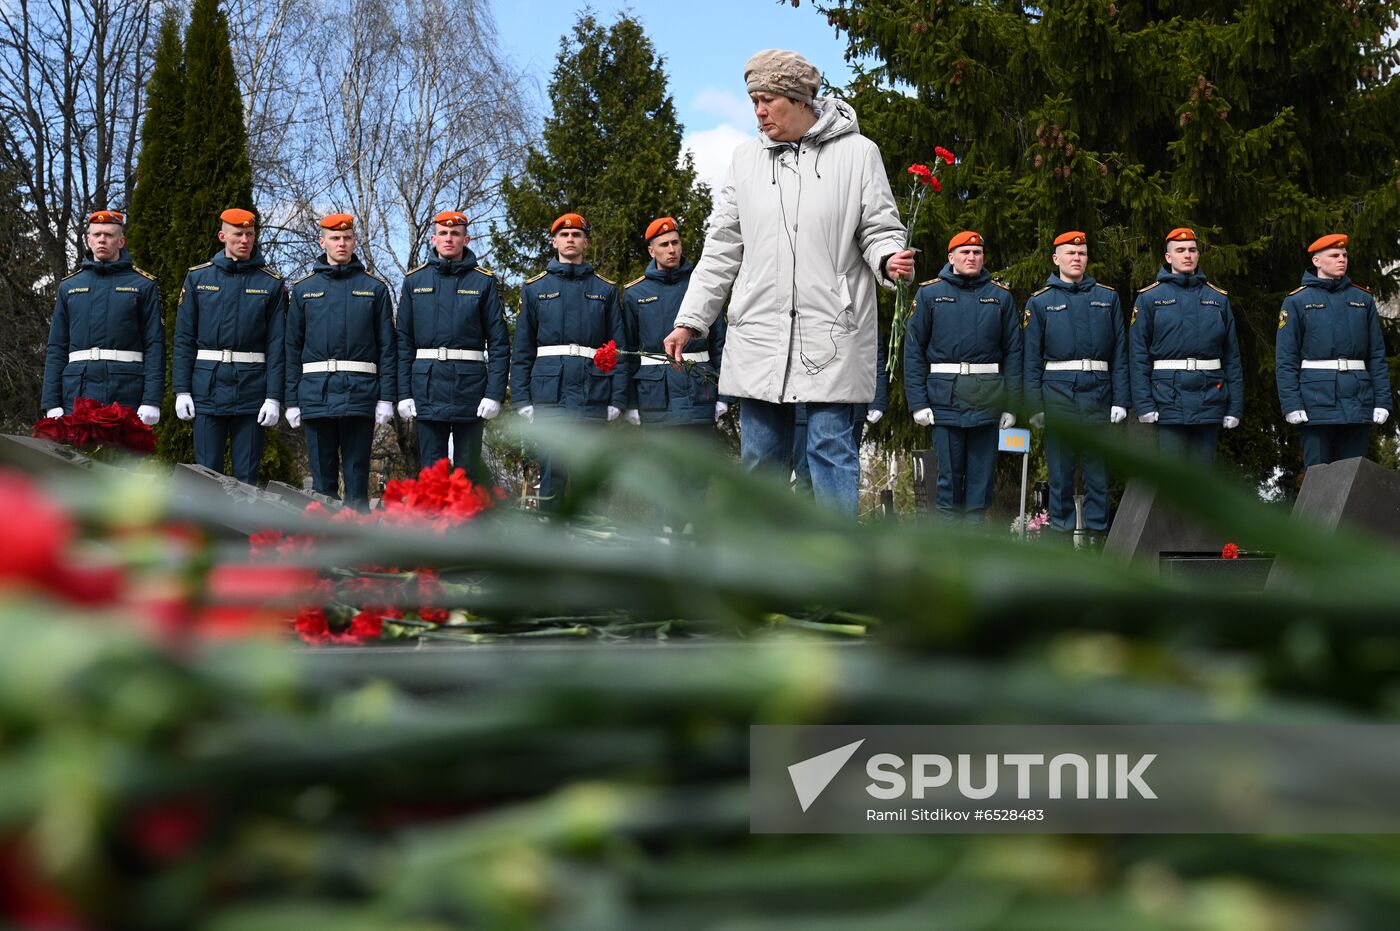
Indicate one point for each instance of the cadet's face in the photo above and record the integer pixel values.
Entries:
(1330, 263)
(339, 245)
(106, 241)
(238, 241)
(967, 260)
(570, 245)
(666, 249)
(1183, 257)
(1071, 261)
(781, 119)
(450, 241)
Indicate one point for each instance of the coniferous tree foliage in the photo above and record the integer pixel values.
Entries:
(157, 196)
(1261, 124)
(23, 306)
(611, 151)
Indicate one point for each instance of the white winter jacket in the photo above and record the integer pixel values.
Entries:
(795, 244)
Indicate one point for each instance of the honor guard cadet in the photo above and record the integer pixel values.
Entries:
(1076, 369)
(228, 369)
(1333, 382)
(567, 312)
(454, 349)
(962, 370)
(340, 362)
(1184, 358)
(107, 339)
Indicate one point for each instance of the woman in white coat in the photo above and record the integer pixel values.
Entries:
(803, 230)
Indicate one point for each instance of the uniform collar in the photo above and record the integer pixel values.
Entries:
(453, 266)
(963, 281)
(222, 261)
(352, 267)
(122, 263)
(1314, 280)
(1084, 284)
(1194, 280)
(669, 275)
(565, 270)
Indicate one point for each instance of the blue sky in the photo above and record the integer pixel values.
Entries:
(704, 46)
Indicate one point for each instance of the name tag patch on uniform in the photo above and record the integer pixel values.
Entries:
(947, 299)
(77, 290)
(545, 297)
(1314, 306)
(648, 300)
(363, 293)
(138, 291)
(255, 291)
(1164, 303)
(596, 297)
(467, 291)
(206, 287)
(422, 290)
(309, 294)
(1349, 303)
(1056, 306)
(1100, 304)
(988, 300)
(1205, 303)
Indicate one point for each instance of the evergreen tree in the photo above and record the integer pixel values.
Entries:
(157, 197)
(1260, 124)
(23, 305)
(611, 151)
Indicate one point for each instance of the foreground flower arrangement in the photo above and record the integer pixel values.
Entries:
(93, 427)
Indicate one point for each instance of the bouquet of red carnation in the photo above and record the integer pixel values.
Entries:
(925, 178)
(93, 427)
(605, 358)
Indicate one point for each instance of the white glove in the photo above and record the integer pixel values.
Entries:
(1230, 423)
(383, 412)
(54, 412)
(267, 417)
(1149, 417)
(924, 417)
(873, 416)
(184, 406)
(1296, 417)
(1008, 420)
(150, 416)
(528, 412)
(613, 413)
(488, 409)
(634, 417)
(720, 410)
(1038, 420)
(1380, 415)
(294, 417)
(1117, 414)
(407, 409)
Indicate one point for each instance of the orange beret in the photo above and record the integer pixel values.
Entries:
(965, 238)
(236, 216)
(338, 222)
(1181, 234)
(1331, 241)
(658, 226)
(107, 216)
(1071, 238)
(569, 221)
(451, 218)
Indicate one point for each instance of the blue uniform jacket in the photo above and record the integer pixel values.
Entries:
(665, 394)
(228, 304)
(1185, 317)
(452, 305)
(1327, 319)
(1070, 322)
(340, 312)
(106, 305)
(568, 304)
(959, 319)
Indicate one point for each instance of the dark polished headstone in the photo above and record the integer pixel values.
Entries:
(1245, 573)
(1144, 528)
(39, 457)
(197, 483)
(299, 498)
(1355, 493)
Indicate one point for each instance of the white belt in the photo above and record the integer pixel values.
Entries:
(1335, 365)
(443, 354)
(567, 349)
(228, 355)
(336, 365)
(1189, 365)
(963, 368)
(1077, 365)
(703, 356)
(106, 355)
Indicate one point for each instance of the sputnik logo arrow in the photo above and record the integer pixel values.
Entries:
(811, 776)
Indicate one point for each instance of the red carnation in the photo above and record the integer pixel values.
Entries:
(1231, 551)
(937, 185)
(367, 625)
(606, 356)
(922, 172)
(948, 157)
(312, 627)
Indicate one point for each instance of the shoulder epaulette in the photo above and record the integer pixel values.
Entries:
(1041, 291)
(1297, 289)
(605, 278)
(1149, 287)
(638, 280)
(933, 280)
(71, 274)
(415, 270)
(1216, 287)
(1361, 286)
(999, 284)
(271, 272)
(536, 278)
(303, 278)
(486, 271)
(200, 265)
(377, 278)
(1101, 285)
(143, 273)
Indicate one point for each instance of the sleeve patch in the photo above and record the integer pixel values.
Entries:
(1283, 318)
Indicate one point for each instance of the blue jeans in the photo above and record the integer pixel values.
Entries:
(765, 440)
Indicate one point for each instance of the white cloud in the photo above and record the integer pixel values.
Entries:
(726, 104)
(713, 149)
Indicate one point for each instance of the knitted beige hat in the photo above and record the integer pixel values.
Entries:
(778, 72)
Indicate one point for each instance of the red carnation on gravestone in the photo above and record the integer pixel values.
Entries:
(1231, 551)
(606, 356)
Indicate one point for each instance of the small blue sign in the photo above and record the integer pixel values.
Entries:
(1014, 440)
